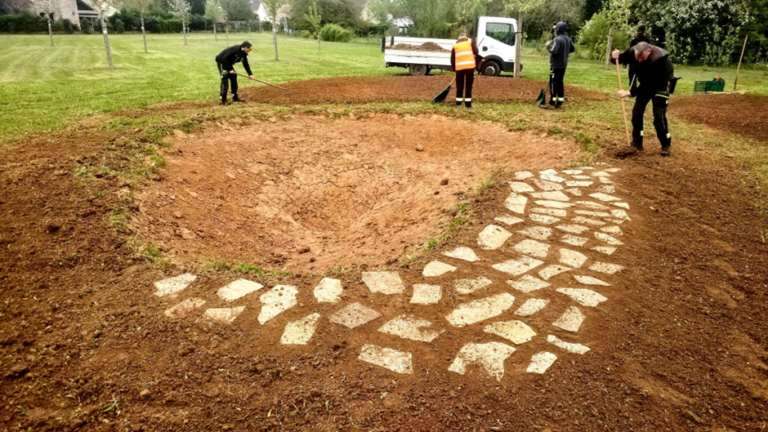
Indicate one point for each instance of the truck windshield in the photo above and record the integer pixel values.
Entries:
(501, 32)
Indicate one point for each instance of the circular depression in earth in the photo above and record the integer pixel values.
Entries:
(313, 192)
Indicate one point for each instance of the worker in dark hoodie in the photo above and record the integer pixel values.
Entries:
(225, 62)
(654, 74)
(559, 50)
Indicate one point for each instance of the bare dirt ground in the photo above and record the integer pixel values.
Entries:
(717, 111)
(312, 193)
(84, 344)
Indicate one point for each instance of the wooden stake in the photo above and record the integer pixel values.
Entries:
(623, 106)
(740, 59)
(608, 51)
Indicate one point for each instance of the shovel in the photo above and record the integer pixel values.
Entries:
(264, 82)
(440, 98)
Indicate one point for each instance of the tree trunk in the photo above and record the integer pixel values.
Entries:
(106, 42)
(260, 25)
(318, 42)
(215, 36)
(143, 33)
(519, 46)
(50, 30)
(608, 49)
(274, 37)
(184, 31)
(226, 31)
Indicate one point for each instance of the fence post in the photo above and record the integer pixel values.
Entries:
(608, 49)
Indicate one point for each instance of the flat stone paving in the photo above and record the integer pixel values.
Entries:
(580, 208)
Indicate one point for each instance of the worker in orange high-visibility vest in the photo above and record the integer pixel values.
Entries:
(463, 62)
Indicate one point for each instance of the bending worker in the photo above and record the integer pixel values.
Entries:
(559, 50)
(654, 73)
(628, 56)
(225, 61)
(463, 62)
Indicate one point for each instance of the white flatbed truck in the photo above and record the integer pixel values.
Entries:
(496, 49)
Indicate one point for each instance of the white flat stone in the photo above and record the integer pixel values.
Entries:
(437, 268)
(276, 301)
(552, 271)
(479, 310)
(592, 213)
(550, 212)
(223, 315)
(608, 239)
(592, 205)
(492, 237)
(587, 221)
(468, 286)
(621, 204)
(585, 168)
(531, 306)
(538, 233)
(516, 203)
(354, 315)
(540, 218)
(528, 283)
(581, 177)
(546, 185)
(548, 171)
(603, 197)
(328, 291)
(521, 187)
(490, 356)
(238, 289)
(383, 282)
(426, 294)
(605, 180)
(572, 258)
(515, 331)
(570, 320)
(616, 221)
(540, 362)
(578, 183)
(608, 189)
(509, 220)
(613, 229)
(571, 228)
(612, 170)
(518, 266)
(173, 285)
(574, 240)
(552, 178)
(554, 196)
(620, 214)
(570, 347)
(410, 327)
(589, 280)
(600, 174)
(608, 250)
(532, 248)
(184, 307)
(574, 191)
(553, 204)
(301, 331)
(572, 172)
(606, 268)
(522, 175)
(396, 361)
(583, 296)
(463, 253)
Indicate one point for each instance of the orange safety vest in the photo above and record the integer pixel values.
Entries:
(465, 58)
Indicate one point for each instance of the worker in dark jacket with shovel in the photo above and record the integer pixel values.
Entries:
(653, 76)
(225, 61)
(559, 50)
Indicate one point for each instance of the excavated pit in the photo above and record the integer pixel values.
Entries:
(314, 192)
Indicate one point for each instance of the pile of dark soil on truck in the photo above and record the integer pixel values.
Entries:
(426, 46)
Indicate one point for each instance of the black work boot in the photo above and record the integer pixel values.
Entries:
(637, 145)
(224, 101)
(235, 98)
(468, 104)
(665, 150)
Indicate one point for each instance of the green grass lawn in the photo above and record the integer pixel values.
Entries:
(43, 88)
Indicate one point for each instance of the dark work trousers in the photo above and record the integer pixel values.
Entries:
(556, 86)
(464, 80)
(660, 102)
(226, 77)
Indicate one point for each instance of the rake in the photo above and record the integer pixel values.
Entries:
(264, 82)
(440, 98)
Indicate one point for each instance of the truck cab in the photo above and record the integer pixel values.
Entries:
(496, 44)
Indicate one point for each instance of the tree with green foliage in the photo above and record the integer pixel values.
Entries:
(48, 8)
(316, 21)
(273, 9)
(143, 6)
(101, 7)
(237, 10)
(593, 37)
(345, 13)
(215, 13)
(181, 9)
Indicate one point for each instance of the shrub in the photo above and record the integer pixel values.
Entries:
(593, 37)
(25, 22)
(304, 33)
(68, 27)
(120, 26)
(335, 33)
(85, 26)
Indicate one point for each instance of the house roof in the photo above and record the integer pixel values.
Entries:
(255, 4)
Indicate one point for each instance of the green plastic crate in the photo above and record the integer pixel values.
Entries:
(708, 86)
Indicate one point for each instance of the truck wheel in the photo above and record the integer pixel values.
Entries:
(418, 70)
(490, 68)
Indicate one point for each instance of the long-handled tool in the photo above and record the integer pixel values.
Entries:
(440, 98)
(623, 106)
(264, 82)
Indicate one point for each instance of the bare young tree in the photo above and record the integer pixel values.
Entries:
(102, 7)
(181, 9)
(316, 21)
(273, 9)
(143, 6)
(215, 13)
(48, 7)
